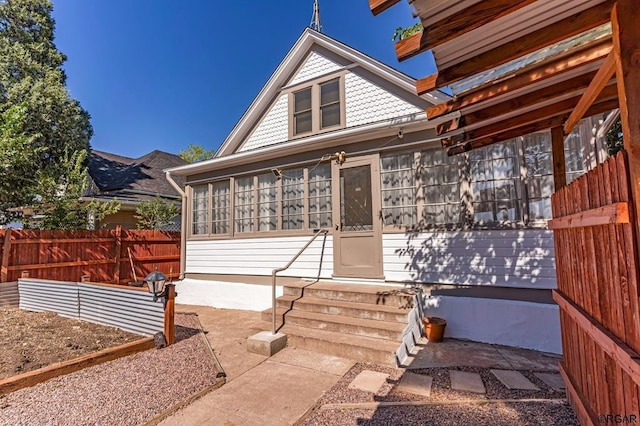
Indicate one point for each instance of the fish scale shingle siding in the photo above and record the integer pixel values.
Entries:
(368, 103)
(365, 103)
(273, 129)
(315, 66)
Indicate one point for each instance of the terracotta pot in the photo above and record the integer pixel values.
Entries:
(434, 328)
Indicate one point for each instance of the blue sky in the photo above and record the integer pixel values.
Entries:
(161, 74)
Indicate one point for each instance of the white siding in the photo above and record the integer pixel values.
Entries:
(368, 103)
(315, 66)
(510, 258)
(259, 256)
(274, 128)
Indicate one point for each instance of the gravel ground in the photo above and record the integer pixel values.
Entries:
(526, 413)
(127, 391)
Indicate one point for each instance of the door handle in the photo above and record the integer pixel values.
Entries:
(337, 227)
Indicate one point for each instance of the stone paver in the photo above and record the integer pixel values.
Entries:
(468, 382)
(369, 381)
(514, 379)
(553, 380)
(417, 384)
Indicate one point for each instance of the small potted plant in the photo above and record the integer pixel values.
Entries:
(434, 328)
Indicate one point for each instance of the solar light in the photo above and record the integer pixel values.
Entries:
(155, 282)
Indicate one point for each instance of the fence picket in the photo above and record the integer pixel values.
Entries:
(598, 292)
(68, 255)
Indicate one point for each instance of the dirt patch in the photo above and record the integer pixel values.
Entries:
(32, 340)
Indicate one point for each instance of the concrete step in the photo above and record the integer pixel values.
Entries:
(359, 348)
(359, 293)
(266, 315)
(339, 323)
(286, 301)
(350, 309)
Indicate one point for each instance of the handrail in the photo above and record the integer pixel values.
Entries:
(275, 271)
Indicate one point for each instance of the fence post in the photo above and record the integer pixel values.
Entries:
(116, 273)
(169, 314)
(6, 255)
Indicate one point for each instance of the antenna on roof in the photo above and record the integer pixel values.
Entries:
(316, 22)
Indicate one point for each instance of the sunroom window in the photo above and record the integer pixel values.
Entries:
(320, 207)
(200, 209)
(495, 183)
(293, 199)
(440, 182)
(267, 202)
(539, 183)
(220, 204)
(398, 180)
(244, 213)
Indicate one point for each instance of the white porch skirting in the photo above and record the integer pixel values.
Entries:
(226, 295)
(504, 322)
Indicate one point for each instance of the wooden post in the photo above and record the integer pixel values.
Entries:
(557, 152)
(169, 314)
(24, 274)
(6, 256)
(85, 279)
(116, 272)
(626, 48)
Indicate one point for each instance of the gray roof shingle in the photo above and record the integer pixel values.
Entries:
(124, 177)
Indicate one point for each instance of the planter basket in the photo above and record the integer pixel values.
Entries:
(434, 328)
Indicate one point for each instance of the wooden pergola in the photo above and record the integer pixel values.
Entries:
(518, 67)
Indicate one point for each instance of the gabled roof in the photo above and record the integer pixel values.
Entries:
(121, 177)
(293, 59)
(308, 42)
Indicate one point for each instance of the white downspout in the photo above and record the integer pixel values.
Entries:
(183, 224)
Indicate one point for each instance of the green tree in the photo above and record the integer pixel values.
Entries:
(195, 153)
(60, 204)
(18, 159)
(156, 213)
(31, 76)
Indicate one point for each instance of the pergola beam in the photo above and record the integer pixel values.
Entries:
(563, 107)
(379, 6)
(557, 154)
(577, 58)
(598, 83)
(454, 26)
(545, 124)
(565, 88)
(519, 47)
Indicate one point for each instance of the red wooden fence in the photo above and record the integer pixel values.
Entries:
(104, 254)
(597, 270)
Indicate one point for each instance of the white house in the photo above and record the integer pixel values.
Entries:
(339, 141)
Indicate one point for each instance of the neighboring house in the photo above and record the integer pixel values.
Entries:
(470, 229)
(130, 181)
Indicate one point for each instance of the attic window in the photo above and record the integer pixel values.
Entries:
(330, 104)
(317, 107)
(302, 111)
